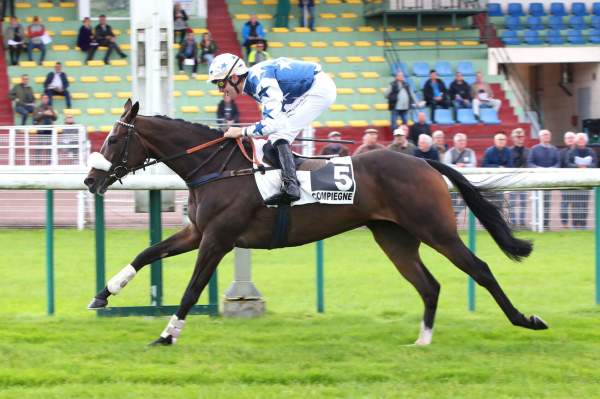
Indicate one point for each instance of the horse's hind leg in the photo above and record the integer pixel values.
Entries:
(183, 241)
(403, 250)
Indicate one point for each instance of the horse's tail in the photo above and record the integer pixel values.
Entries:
(487, 213)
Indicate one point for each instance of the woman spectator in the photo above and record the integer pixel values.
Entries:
(15, 40)
(208, 49)
(85, 37)
(180, 24)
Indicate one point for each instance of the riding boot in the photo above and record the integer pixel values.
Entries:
(290, 187)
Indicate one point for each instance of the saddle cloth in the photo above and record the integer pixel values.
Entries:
(332, 183)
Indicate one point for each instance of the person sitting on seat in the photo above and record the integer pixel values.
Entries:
(435, 93)
(258, 54)
(208, 49)
(252, 33)
(56, 84)
(14, 39)
(36, 33)
(482, 95)
(85, 37)
(227, 112)
(460, 92)
(105, 37)
(292, 94)
(24, 101)
(188, 52)
(401, 143)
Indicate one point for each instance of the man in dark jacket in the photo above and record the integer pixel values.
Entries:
(498, 155)
(400, 99)
(252, 32)
(188, 50)
(544, 155)
(435, 93)
(105, 37)
(227, 112)
(56, 84)
(335, 148)
(22, 95)
(518, 199)
(425, 148)
(460, 92)
(419, 128)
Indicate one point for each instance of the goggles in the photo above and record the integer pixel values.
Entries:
(221, 82)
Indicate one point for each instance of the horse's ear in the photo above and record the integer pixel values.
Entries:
(127, 105)
(134, 110)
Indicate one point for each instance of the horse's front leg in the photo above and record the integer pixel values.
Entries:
(183, 241)
(211, 251)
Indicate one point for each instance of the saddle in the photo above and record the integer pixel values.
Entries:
(302, 162)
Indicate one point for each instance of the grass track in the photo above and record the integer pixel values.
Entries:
(356, 349)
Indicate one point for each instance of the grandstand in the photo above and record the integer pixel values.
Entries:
(359, 45)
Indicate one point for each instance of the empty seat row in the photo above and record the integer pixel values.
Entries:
(553, 22)
(555, 37)
(44, 4)
(377, 43)
(324, 15)
(443, 68)
(349, 29)
(537, 9)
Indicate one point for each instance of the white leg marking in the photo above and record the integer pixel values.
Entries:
(424, 336)
(121, 279)
(173, 328)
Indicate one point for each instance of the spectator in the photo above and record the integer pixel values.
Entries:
(498, 155)
(10, 4)
(369, 142)
(258, 54)
(36, 32)
(188, 54)
(435, 93)
(460, 157)
(425, 148)
(544, 155)
(69, 137)
(439, 142)
(419, 128)
(400, 99)
(335, 148)
(22, 95)
(307, 13)
(482, 96)
(14, 37)
(460, 92)
(56, 84)
(44, 114)
(85, 37)
(208, 49)
(583, 157)
(252, 32)
(105, 37)
(227, 112)
(180, 24)
(566, 196)
(401, 143)
(518, 199)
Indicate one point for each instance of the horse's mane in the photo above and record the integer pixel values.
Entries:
(195, 127)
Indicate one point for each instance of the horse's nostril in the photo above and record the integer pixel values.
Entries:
(89, 181)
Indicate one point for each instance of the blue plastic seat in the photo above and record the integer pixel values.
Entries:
(577, 22)
(510, 37)
(558, 9)
(554, 37)
(513, 23)
(595, 22)
(489, 116)
(494, 10)
(575, 36)
(596, 8)
(594, 36)
(420, 69)
(515, 10)
(465, 116)
(556, 22)
(443, 116)
(532, 37)
(443, 68)
(578, 9)
(536, 10)
(465, 67)
(470, 79)
(400, 67)
(535, 23)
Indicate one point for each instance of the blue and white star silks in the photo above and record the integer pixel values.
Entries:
(276, 84)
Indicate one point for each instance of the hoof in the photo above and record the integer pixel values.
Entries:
(97, 303)
(537, 323)
(422, 342)
(162, 341)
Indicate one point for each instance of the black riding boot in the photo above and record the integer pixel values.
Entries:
(290, 191)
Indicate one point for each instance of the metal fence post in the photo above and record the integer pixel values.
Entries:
(320, 288)
(100, 242)
(155, 237)
(50, 250)
(472, 247)
(597, 235)
(213, 294)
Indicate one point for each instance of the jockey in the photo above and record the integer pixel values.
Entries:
(292, 94)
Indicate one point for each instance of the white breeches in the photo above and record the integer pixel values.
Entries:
(308, 107)
(493, 102)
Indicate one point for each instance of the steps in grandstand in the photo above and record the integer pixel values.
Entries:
(6, 110)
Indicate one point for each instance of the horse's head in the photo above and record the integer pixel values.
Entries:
(121, 151)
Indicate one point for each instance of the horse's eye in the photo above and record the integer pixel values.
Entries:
(112, 140)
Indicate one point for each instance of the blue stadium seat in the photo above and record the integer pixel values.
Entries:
(578, 9)
(558, 9)
(448, 81)
(420, 69)
(400, 67)
(465, 116)
(595, 22)
(536, 10)
(443, 68)
(489, 116)
(575, 36)
(596, 8)
(510, 37)
(465, 67)
(555, 22)
(494, 10)
(513, 23)
(443, 116)
(554, 37)
(470, 79)
(535, 23)
(594, 36)
(532, 37)
(515, 10)
(577, 22)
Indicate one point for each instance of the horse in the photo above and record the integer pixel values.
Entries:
(403, 200)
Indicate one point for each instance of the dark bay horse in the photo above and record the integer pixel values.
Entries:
(403, 200)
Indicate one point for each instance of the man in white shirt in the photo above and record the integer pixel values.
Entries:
(56, 84)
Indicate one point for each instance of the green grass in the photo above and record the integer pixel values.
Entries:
(358, 348)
